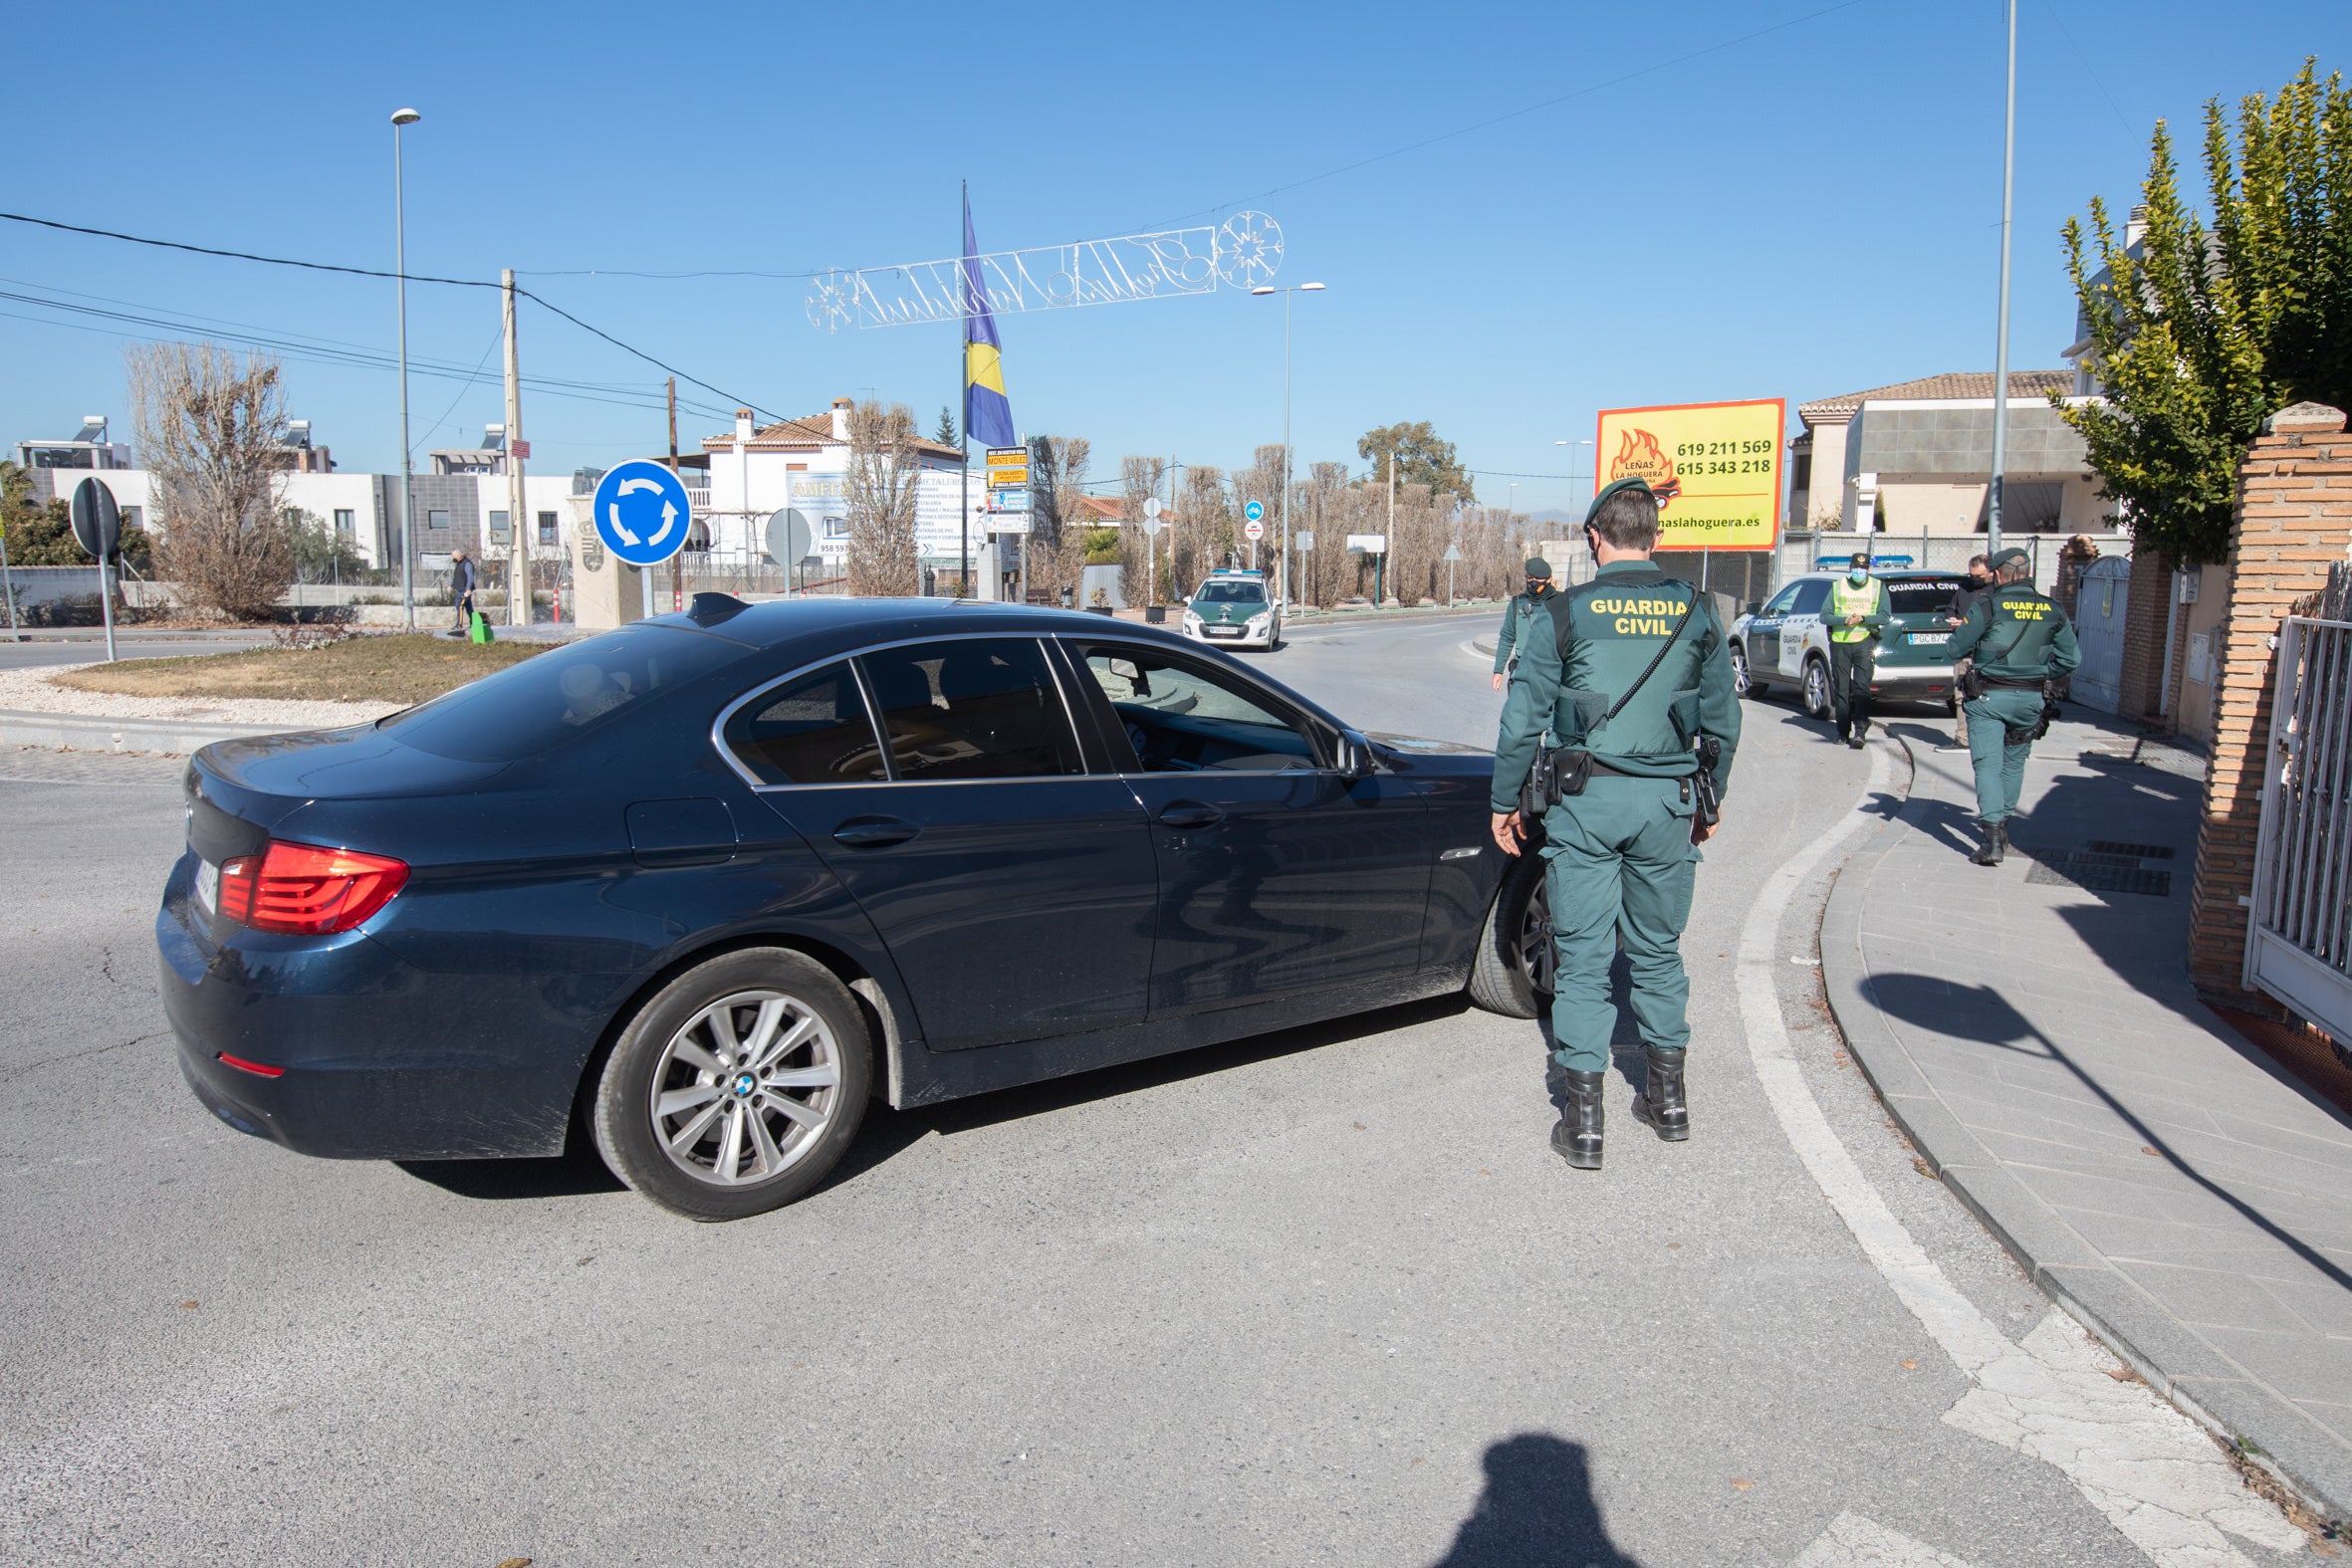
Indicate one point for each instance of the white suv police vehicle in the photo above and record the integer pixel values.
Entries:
(1786, 642)
(1234, 610)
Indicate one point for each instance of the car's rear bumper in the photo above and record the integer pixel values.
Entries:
(377, 1060)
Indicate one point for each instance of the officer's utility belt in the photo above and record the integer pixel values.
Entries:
(1975, 683)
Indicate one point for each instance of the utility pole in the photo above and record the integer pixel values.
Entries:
(963, 401)
(677, 561)
(517, 590)
(405, 117)
(1284, 590)
(1380, 572)
(2000, 349)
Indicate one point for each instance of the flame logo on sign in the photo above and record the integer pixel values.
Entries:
(1640, 457)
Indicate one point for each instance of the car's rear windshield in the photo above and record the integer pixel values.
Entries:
(530, 708)
(1920, 595)
(1230, 593)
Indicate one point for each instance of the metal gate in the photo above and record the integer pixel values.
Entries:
(2100, 607)
(2300, 924)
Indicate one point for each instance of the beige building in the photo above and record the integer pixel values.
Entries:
(1912, 458)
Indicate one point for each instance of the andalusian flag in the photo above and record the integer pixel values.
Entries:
(988, 414)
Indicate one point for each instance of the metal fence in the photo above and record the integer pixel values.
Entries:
(2300, 935)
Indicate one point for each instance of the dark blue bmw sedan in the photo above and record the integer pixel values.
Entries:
(703, 886)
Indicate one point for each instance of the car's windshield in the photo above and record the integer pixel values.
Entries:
(529, 707)
(1922, 595)
(1231, 593)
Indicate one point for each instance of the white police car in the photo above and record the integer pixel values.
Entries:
(1233, 609)
(1785, 641)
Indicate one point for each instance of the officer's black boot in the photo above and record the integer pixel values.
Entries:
(1996, 844)
(1661, 1102)
(1577, 1137)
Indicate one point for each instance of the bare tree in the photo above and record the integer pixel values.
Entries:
(1139, 479)
(1059, 563)
(1204, 528)
(209, 426)
(880, 492)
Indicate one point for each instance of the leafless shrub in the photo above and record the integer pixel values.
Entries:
(209, 426)
(880, 492)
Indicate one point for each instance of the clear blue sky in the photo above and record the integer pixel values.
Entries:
(1805, 211)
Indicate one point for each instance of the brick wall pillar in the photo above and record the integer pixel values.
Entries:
(2140, 685)
(2293, 521)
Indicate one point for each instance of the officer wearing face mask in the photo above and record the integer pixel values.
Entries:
(1858, 609)
(1523, 606)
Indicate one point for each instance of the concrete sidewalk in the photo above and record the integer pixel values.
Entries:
(2033, 1027)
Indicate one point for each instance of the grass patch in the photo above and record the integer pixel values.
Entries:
(400, 669)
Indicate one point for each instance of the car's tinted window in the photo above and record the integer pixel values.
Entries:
(1181, 715)
(1922, 595)
(814, 731)
(1809, 594)
(984, 708)
(528, 708)
(1781, 601)
(1231, 593)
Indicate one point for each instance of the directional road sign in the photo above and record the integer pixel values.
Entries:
(98, 522)
(642, 512)
(1254, 512)
(1253, 531)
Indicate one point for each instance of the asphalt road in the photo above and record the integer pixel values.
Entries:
(39, 650)
(1319, 1297)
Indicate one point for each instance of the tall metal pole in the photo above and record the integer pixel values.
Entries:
(964, 402)
(1282, 572)
(405, 117)
(2000, 349)
(518, 592)
(678, 561)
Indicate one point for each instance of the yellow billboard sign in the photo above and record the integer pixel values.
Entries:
(1715, 466)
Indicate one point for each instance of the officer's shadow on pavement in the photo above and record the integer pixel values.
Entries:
(1537, 1511)
(1931, 1003)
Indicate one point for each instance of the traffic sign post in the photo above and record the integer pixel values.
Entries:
(789, 542)
(97, 526)
(642, 513)
(1254, 529)
(1453, 554)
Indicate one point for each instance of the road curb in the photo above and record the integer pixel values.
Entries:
(72, 732)
(2170, 1358)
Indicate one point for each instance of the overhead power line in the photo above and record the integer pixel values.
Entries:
(373, 272)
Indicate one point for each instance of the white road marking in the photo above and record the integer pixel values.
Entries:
(1853, 1541)
(2159, 1479)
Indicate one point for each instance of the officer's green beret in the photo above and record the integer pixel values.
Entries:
(1607, 491)
(2008, 557)
(1538, 566)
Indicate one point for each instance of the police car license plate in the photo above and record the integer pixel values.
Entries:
(1224, 631)
(1919, 638)
(208, 886)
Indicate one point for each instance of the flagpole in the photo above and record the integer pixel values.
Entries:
(963, 401)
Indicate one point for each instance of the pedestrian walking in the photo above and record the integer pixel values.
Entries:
(461, 590)
(2021, 642)
(1523, 606)
(1858, 611)
(1620, 731)
(1972, 588)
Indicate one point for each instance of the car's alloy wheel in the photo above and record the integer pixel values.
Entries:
(737, 1087)
(1739, 681)
(746, 1089)
(1817, 688)
(1538, 954)
(1513, 971)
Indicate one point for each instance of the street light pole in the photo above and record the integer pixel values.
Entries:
(400, 117)
(1283, 571)
(2000, 349)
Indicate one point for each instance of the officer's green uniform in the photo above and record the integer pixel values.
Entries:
(2020, 639)
(1853, 651)
(1619, 856)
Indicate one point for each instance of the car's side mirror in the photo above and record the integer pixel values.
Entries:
(1357, 760)
(1755, 607)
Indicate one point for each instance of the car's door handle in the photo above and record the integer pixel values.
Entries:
(1190, 814)
(872, 832)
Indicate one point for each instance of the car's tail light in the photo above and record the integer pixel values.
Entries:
(306, 889)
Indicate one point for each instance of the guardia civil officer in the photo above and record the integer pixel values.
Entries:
(1630, 676)
(2021, 642)
(1857, 613)
(1520, 607)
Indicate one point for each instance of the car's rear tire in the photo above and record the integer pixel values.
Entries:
(737, 1087)
(1511, 973)
(1817, 689)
